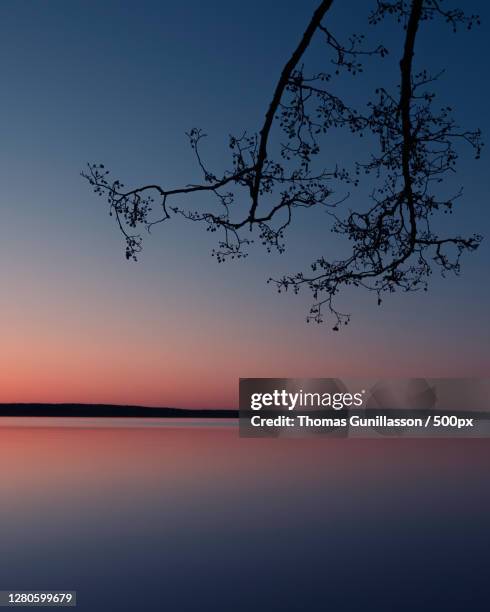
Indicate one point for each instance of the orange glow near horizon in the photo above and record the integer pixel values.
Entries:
(82, 346)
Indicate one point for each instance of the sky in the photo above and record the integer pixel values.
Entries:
(120, 83)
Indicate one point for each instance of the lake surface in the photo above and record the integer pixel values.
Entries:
(171, 515)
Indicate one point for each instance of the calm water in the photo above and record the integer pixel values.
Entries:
(152, 516)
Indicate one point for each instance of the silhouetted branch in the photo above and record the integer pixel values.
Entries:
(394, 245)
(278, 93)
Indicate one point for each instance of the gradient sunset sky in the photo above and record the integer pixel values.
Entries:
(121, 82)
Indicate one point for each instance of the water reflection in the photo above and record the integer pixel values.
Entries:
(140, 516)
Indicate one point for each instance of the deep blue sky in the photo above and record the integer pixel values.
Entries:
(120, 83)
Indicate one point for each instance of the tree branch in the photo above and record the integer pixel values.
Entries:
(278, 93)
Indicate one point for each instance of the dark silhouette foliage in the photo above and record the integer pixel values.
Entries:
(393, 241)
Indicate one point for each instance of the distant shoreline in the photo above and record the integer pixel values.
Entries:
(110, 411)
